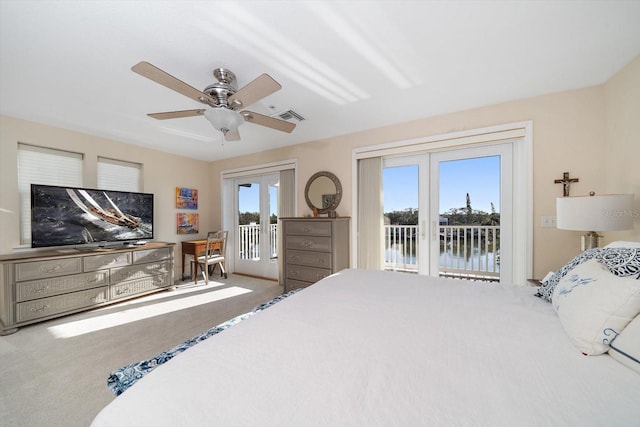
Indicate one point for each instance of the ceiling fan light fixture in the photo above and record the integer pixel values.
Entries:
(224, 119)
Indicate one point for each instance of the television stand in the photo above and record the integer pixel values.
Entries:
(45, 285)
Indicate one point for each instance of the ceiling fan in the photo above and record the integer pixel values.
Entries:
(224, 98)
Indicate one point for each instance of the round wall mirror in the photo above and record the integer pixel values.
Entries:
(323, 192)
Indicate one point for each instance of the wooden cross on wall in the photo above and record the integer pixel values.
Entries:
(566, 183)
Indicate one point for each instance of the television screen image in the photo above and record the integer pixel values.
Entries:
(75, 216)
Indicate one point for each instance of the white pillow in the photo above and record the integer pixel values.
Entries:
(623, 244)
(625, 347)
(590, 301)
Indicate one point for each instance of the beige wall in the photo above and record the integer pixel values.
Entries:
(622, 161)
(570, 133)
(162, 173)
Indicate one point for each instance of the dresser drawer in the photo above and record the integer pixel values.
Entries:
(99, 262)
(309, 228)
(309, 258)
(138, 286)
(44, 307)
(308, 243)
(138, 271)
(59, 285)
(47, 268)
(306, 274)
(150, 255)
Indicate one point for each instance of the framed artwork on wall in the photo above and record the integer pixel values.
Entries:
(186, 198)
(188, 223)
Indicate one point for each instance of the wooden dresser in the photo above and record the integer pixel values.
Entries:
(43, 285)
(314, 248)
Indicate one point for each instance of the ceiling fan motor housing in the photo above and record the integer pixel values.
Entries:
(223, 88)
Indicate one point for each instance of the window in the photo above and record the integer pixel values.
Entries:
(38, 165)
(119, 175)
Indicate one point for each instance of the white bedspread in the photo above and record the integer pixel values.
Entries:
(365, 348)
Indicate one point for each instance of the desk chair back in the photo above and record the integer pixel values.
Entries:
(214, 254)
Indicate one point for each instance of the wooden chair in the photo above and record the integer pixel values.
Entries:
(214, 255)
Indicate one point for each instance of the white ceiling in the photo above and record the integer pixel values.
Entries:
(344, 66)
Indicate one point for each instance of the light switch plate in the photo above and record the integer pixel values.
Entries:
(549, 221)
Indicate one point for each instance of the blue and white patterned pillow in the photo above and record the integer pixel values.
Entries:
(592, 302)
(620, 261)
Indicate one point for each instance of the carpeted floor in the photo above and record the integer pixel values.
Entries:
(54, 373)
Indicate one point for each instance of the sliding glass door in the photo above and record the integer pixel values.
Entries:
(449, 213)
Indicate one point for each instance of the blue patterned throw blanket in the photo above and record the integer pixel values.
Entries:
(123, 378)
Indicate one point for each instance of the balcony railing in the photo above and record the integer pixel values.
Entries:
(249, 241)
(466, 251)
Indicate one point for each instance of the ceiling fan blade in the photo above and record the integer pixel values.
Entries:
(176, 114)
(256, 90)
(270, 122)
(154, 73)
(232, 135)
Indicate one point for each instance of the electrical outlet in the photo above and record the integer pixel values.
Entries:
(549, 221)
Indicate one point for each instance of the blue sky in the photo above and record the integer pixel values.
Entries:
(480, 177)
(249, 199)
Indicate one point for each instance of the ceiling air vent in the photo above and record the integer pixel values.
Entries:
(288, 115)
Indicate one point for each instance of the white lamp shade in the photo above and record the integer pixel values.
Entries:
(224, 119)
(604, 212)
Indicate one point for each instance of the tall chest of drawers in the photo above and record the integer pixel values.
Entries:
(314, 248)
(41, 286)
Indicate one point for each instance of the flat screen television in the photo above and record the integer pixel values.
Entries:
(62, 216)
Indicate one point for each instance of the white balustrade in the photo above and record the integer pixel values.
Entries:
(469, 251)
(249, 241)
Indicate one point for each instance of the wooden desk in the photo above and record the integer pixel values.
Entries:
(196, 248)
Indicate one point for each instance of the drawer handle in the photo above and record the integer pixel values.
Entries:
(40, 290)
(307, 244)
(307, 229)
(122, 291)
(38, 310)
(53, 269)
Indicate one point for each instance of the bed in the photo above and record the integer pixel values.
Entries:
(373, 348)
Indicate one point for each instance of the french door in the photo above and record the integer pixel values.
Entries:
(256, 218)
(450, 212)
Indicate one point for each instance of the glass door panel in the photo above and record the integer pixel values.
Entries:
(404, 213)
(469, 221)
(400, 218)
(248, 221)
(256, 226)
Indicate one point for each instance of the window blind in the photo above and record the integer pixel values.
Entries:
(47, 166)
(370, 214)
(119, 175)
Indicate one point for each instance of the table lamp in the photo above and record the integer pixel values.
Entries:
(594, 213)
